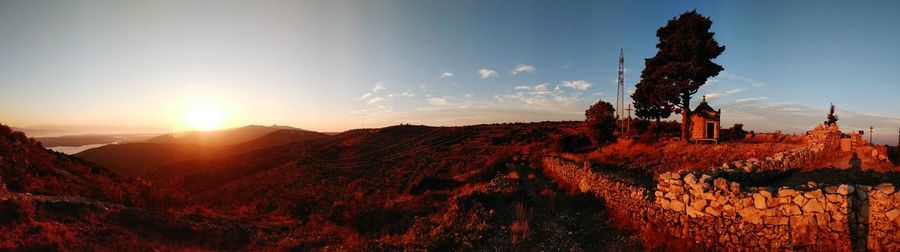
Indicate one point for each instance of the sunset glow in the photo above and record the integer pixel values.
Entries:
(204, 117)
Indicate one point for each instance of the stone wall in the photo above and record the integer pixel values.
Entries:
(822, 140)
(882, 217)
(719, 214)
(783, 218)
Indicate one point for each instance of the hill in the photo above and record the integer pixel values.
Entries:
(136, 159)
(395, 188)
(220, 137)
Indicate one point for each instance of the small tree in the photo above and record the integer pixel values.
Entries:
(684, 62)
(832, 118)
(600, 123)
(652, 100)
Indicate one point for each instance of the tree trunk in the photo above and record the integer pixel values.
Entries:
(686, 118)
(657, 129)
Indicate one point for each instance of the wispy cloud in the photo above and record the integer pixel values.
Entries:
(379, 86)
(446, 75)
(522, 88)
(576, 84)
(375, 100)
(403, 94)
(437, 101)
(734, 91)
(522, 68)
(487, 73)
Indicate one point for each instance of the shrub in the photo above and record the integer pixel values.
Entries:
(16, 211)
(600, 123)
(573, 143)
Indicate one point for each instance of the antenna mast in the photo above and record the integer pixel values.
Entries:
(620, 88)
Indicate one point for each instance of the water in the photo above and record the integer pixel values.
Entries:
(76, 149)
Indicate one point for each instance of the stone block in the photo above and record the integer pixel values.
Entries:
(844, 189)
(691, 212)
(670, 195)
(664, 203)
(759, 201)
(728, 210)
(735, 187)
(835, 198)
(698, 204)
(822, 219)
(813, 206)
(676, 205)
(775, 220)
(721, 184)
(885, 188)
(746, 202)
(787, 192)
(690, 179)
(712, 211)
(892, 214)
(813, 194)
(750, 215)
(791, 209)
(769, 212)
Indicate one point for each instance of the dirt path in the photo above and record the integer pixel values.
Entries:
(568, 221)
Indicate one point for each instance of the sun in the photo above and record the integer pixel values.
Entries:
(204, 117)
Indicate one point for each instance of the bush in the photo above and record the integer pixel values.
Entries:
(600, 123)
(574, 143)
(16, 211)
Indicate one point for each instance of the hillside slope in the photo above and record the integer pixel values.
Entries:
(138, 159)
(220, 137)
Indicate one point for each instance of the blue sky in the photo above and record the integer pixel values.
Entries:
(311, 64)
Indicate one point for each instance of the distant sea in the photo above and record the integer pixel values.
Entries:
(76, 149)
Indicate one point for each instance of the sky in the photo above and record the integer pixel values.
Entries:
(338, 65)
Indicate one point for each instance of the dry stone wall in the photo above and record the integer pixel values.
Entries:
(821, 141)
(782, 218)
(881, 213)
(723, 215)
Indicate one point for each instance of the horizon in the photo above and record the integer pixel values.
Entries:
(336, 66)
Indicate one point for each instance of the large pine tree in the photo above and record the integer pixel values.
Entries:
(683, 62)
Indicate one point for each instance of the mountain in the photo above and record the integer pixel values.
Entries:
(220, 137)
(140, 158)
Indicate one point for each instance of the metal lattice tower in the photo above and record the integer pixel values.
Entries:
(620, 89)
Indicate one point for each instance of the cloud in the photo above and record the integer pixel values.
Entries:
(379, 86)
(734, 91)
(522, 88)
(487, 73)
(541, 87)
(731, 78)
(375, 100)
(522, 68)
(404, 94)
(576, 84)
(437, 101)
(446, 75)
(748, 99)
